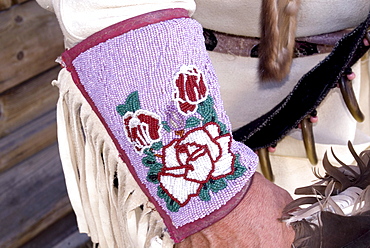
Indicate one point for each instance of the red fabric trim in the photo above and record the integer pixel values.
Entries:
(177, 234)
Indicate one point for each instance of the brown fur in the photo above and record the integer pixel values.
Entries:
(278, 28)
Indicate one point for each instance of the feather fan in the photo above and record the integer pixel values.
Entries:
(338, 213)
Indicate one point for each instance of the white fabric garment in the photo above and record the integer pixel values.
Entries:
(114, 218)
(241, 17)
(80, 19)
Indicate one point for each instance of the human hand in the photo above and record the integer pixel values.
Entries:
(253, 223)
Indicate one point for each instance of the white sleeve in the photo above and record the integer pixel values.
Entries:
(80, 19)
(46, 4)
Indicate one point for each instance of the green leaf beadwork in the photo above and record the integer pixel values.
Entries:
(132, 104)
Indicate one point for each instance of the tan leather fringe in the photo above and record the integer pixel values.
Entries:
(109, 205)
(278, 29)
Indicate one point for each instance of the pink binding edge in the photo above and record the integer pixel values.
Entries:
(180, 233)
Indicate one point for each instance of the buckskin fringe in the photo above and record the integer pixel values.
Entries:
(278, 29)
(109, 205)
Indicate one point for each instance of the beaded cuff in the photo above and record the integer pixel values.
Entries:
(150, 81)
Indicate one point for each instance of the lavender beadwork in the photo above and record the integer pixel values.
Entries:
(156, 92)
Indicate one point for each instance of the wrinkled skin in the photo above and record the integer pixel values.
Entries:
(253, 223)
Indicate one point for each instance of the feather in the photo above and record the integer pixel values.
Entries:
(344, 177)
(300, 201)
(341, 205)
(335, 173)
(359, 161)
(308, 190)
(307, 235)
(362, 204)
(355, 174)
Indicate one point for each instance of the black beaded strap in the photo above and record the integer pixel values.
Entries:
(308, 93)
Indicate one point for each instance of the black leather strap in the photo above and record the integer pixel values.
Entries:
(308, 93)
